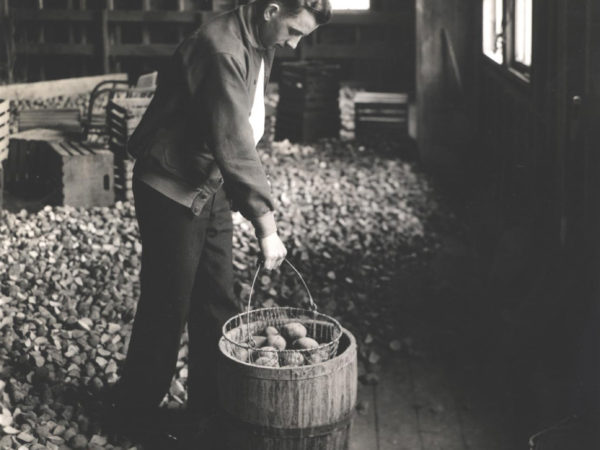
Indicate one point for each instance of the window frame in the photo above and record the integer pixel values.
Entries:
(509, 62)
(343, 10)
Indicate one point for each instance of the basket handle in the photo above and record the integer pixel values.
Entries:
(312, 304)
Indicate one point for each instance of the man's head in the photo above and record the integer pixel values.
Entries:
(285, 22)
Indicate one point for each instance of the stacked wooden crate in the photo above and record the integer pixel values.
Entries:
(79, 175)
(4, 133)
(381, 114)
(308, 107)
(123, 116)
(26, 162)
(43, 165)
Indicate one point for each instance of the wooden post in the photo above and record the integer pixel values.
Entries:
(145, 29)
(41, 39)
(7, 39)
(104, 44)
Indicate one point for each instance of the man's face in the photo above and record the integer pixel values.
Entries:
(280, 29)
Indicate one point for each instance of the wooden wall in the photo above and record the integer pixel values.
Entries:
(538, 144)
(61, 38)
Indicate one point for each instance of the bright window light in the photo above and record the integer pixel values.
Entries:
(493, 40)
(523, 26)
(350, 4)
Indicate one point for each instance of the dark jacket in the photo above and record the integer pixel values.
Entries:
(195, 133)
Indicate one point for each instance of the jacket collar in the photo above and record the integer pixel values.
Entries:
(247, 14)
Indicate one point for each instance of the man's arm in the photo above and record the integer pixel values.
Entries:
(230, 136)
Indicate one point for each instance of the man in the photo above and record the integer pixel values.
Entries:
(196, 156)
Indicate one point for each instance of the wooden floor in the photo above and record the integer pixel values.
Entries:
(426, 405)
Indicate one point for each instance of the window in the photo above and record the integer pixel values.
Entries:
(493, 37)
(523, 22)
(507, 33)
(351, 4)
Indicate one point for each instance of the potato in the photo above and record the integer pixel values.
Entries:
(305, 343)
(267, 362)
(259, 341)
(266, 352)
(294, 330)
(271, 331)
(293, 359)
(317, 356)
(241, 354)
(277, 341)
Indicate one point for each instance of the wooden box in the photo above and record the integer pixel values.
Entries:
(381, 114)
(4, 137)
(25, 166)
(80, 175)
(4, 128)
(308, 107)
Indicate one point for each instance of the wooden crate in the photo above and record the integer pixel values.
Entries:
(4, 128)
(307, 126)
(26, 163)
(308, 107)
(123, 116)
(4, 137)
(381, 114)
(80, 175)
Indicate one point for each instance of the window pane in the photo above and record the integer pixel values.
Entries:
(350, 4)
(523, 26)
(492, 29)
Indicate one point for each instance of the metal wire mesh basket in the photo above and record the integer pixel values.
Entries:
(247, 335)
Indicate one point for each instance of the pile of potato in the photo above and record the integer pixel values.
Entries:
(286, 346)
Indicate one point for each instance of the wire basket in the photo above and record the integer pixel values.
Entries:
(245, 332)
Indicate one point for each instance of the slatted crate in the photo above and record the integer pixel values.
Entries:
(78, 175)
(381, 114)
(4, 137)
(308, 107)
(123, 117)
(26, 163)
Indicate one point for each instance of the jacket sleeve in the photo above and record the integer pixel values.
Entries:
(225, 100)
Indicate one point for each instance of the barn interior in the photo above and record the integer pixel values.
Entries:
(436, 183)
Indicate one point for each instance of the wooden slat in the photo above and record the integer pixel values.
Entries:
(52, 15)
(55, 49)
(139, 50)
(54, 88)
(379, 50)
(370, 18)
(363, 434)
(398, 422)
(439, 422)
(159, 16)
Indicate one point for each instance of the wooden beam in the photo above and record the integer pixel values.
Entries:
(52, 15)
(370, 18)
(139, 50)
(159, 16)
(45, 49)
(104, 39)
(359, 51)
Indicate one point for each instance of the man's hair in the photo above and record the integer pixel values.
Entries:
(321, 9)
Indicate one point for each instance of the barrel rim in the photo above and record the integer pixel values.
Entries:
(292, 369)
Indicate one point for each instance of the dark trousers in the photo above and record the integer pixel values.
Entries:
(186, 277)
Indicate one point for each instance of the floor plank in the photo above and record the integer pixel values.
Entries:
(363, 435)
(439, 421)
(398, 427)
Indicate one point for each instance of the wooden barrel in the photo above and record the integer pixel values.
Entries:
(289, 408)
